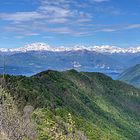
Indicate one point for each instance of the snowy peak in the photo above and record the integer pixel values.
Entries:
(99, 49)
(114, 49)
(32, 47)
(35, 47)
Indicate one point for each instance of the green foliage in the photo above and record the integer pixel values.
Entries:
(102, 108)
(51, 127)
(13, 125)
(71, 124)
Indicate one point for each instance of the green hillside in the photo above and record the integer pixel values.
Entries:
(101, 108)
(131, 76)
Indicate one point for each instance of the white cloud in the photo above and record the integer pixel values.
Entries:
(133, 26)
(106, 30)
(21, 16)
(119, 28)
(100, 1)
(61, 17)
(57, 13)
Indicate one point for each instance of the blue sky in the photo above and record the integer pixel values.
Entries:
(70, 22)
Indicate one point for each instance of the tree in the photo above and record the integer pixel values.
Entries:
(13, 125)
(54, 128)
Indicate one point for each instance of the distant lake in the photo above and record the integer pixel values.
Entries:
(17, 71)
(111, 73)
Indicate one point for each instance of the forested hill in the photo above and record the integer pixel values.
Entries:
(102, 108)
(131, 76)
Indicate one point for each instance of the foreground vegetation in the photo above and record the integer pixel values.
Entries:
(77, 105)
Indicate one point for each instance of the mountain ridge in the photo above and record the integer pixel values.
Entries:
(131, 76)
(37, 57)
(100, 49)
(103, 108)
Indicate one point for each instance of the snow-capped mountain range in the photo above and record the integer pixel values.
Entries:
(99, 49)
(37, 57)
